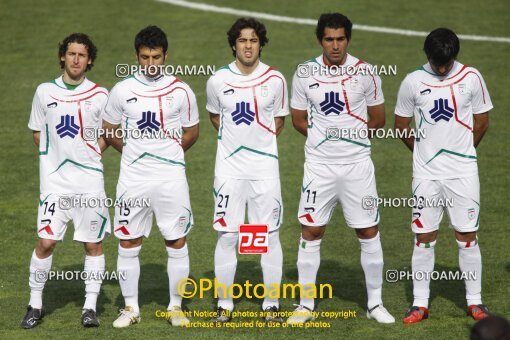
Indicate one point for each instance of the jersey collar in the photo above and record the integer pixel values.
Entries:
(456, 68)
(261, 68)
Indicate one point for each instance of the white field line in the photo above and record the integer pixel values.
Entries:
(313, 22)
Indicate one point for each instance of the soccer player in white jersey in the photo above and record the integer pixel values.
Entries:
(70, 169)
(331, 103)
(247, 103)
(450, 103)
(164, 108)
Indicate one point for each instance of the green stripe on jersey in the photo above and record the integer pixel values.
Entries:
(77, 164)
(158, 158)
(45, 152)
(451, 153)
(242, 147)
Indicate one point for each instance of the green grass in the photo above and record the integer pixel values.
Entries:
(30, 32)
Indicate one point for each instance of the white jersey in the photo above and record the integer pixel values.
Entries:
(247, 105)
(443, 107)
(148, 107)
(68, 162)
(337, 109)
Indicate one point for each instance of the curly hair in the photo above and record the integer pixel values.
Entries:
(79, 38)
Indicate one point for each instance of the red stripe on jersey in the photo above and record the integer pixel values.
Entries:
(161, 89)
(81, 99)
(455, 110)
(163, 121)
(347, 102)
(81, 131)
(257, 113)
(457, 81)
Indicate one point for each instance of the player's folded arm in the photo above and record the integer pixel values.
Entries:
(110, 137)
(300, 120)
(189, 136)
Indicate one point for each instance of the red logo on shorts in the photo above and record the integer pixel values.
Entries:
(253, 239)
(123, 230)
(308, 217)
(47, 229)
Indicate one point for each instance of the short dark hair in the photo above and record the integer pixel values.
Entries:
(151, 37)
(492, 327)
(441, 46)
(333, 20)
(79, 38)
(235, 31)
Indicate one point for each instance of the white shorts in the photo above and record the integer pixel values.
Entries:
(326, 185)
(168, 200)
(460, 197)
(232, 196)
(91, 224)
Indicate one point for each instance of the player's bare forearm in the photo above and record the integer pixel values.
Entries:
(110, 136)
(189, 136)
(279, 123)
(481, 124)
(300, 121)
(376, 118)
(37, 137)
(403, 124)
(215, 120)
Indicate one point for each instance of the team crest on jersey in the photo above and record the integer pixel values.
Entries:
(441, 110)
(67, 127)
(87, 105)
(264, 91)
(169, 101)
(332, 103)
(243, 114)
(354, 83)
(462, 88)
(93, 225)
(471, 213)
(148, 122)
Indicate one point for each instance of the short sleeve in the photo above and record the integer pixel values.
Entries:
(37, 114)
(299, 100)
(189, 109)
(281, 106)
(373, 94)
(405, 99)
(480, 98)
(114, 107)
(213, 102)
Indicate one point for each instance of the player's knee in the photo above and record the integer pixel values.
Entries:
(367, 233)
(176, 244)
(227, 240)
(93, 249)
(131, 243)
(426, 237)
(312, 233)
(45, 248)
(465, 237)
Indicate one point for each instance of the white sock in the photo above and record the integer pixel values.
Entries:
(372, 263)
(309, 260)
(422, 261)
(470, 263)
(39, 269)
(128, 262)
(94, 265)
(272, 263)
(178, 269)
(225, 264)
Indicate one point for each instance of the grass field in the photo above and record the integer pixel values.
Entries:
(30, 32)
